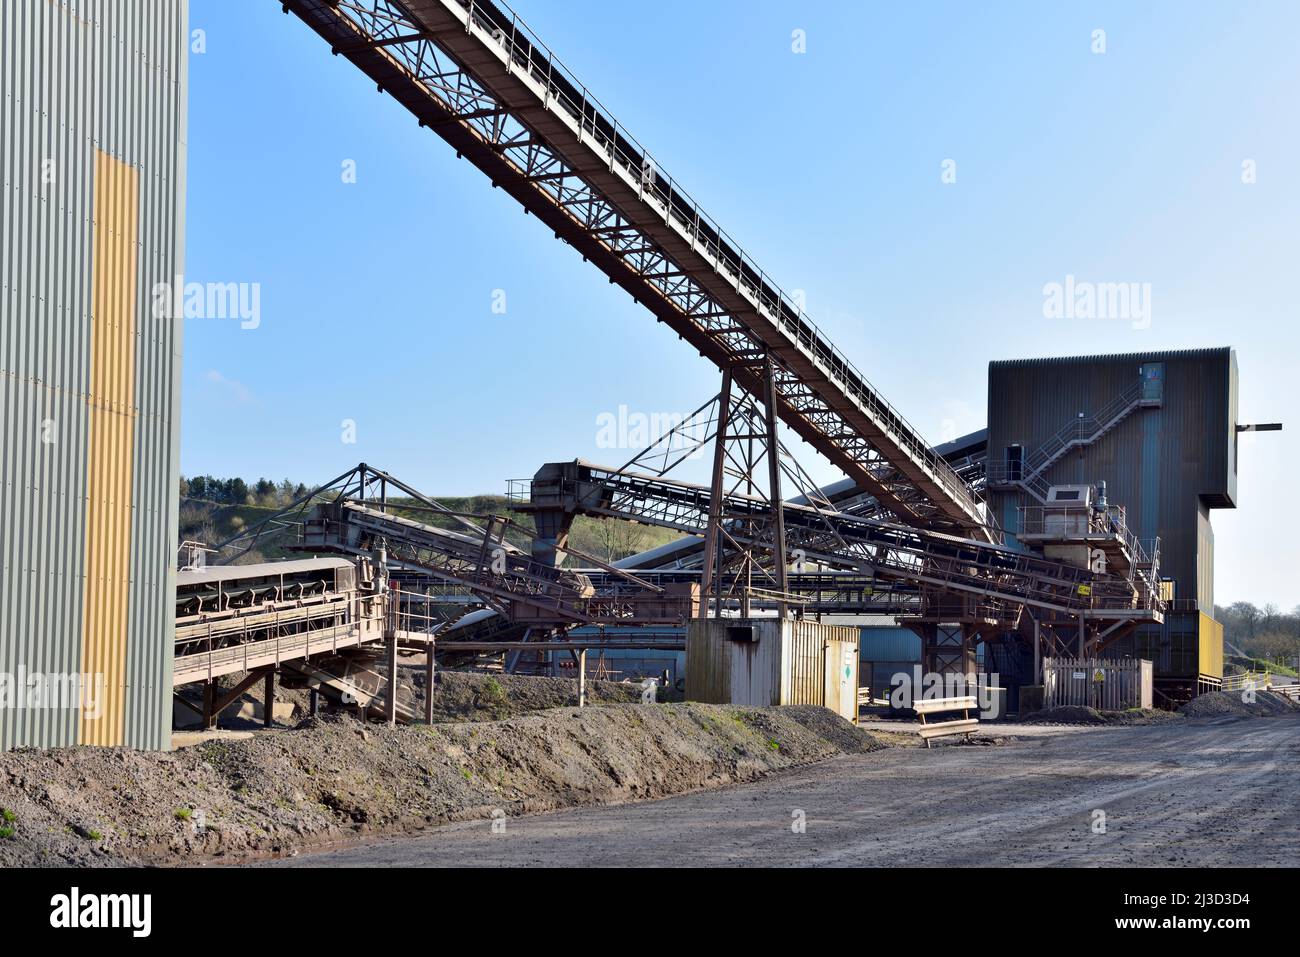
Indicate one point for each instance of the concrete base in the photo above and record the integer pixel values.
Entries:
(1031, 699)
(185, 718)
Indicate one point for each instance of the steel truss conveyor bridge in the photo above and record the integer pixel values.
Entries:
(1002, 578)
(477, 76)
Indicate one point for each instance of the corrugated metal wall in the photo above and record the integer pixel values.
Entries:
(1163, 465)
(788, 662)
(1167, 466)
(92, 153)
(889, 643)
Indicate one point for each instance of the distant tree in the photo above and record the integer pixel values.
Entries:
(1245, 617)
(236, 492)
(619, 539)
(1274, 646)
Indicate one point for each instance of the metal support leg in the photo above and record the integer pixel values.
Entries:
(581, 657)
(711, 533)
(428, 682)
(1038, 654)
(774, 482)
(268, 699)
(390, 705)
(313, 700)
(209, 703)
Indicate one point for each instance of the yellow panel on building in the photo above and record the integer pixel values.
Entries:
(112, 444)
(1211, 647)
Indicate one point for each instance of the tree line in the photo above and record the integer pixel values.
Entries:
(235, 491)
(1267, 633)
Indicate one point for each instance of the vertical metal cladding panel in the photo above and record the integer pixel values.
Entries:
(886, 643)
(1210, 645)
(92, 156)
(708, 662)
(813, 654)
(803, 674)
(756, 665)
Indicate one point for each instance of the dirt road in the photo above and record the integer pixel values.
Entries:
(1218, 792)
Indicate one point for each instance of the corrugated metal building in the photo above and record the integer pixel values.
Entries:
(1168, 461)
(770, 661)
(92, 149)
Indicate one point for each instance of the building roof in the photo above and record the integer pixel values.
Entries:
(1157, 356)
(223, 573)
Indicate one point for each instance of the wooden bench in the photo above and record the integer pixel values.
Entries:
(940, 706)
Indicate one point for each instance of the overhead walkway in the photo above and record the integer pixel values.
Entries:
(476, 75)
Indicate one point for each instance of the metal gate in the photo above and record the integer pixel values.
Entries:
(1107, 685)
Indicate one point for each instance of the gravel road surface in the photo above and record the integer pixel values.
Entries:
(1197, 792)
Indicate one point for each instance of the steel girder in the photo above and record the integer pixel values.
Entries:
(476, 75)
(1005, 577)
(507, 578)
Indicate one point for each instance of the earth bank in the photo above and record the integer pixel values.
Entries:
(332, 779)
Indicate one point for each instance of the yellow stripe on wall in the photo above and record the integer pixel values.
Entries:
(1210, 647)
(111, 444)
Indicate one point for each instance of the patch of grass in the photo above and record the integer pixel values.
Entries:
(8, 815)
(466, 773)
(6, 832)
(94, 835)
(183, 813)
(493, 697)
(773, 744)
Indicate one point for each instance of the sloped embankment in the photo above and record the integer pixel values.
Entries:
(332, 779)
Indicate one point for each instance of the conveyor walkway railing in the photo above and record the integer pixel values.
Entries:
(888, 550)
(482, 80)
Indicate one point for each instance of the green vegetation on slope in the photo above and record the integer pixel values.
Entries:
(214, 520)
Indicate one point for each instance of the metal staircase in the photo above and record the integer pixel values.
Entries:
(1029, 473)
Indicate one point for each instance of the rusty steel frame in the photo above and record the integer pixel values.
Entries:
(477, 76)
(1005, 577)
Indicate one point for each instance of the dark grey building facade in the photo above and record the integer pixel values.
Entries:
(1160, 430)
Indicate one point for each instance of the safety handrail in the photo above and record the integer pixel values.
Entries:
(521, 43)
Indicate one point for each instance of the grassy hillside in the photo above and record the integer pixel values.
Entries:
(606, 539)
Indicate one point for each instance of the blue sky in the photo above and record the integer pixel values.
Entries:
(377, 296)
